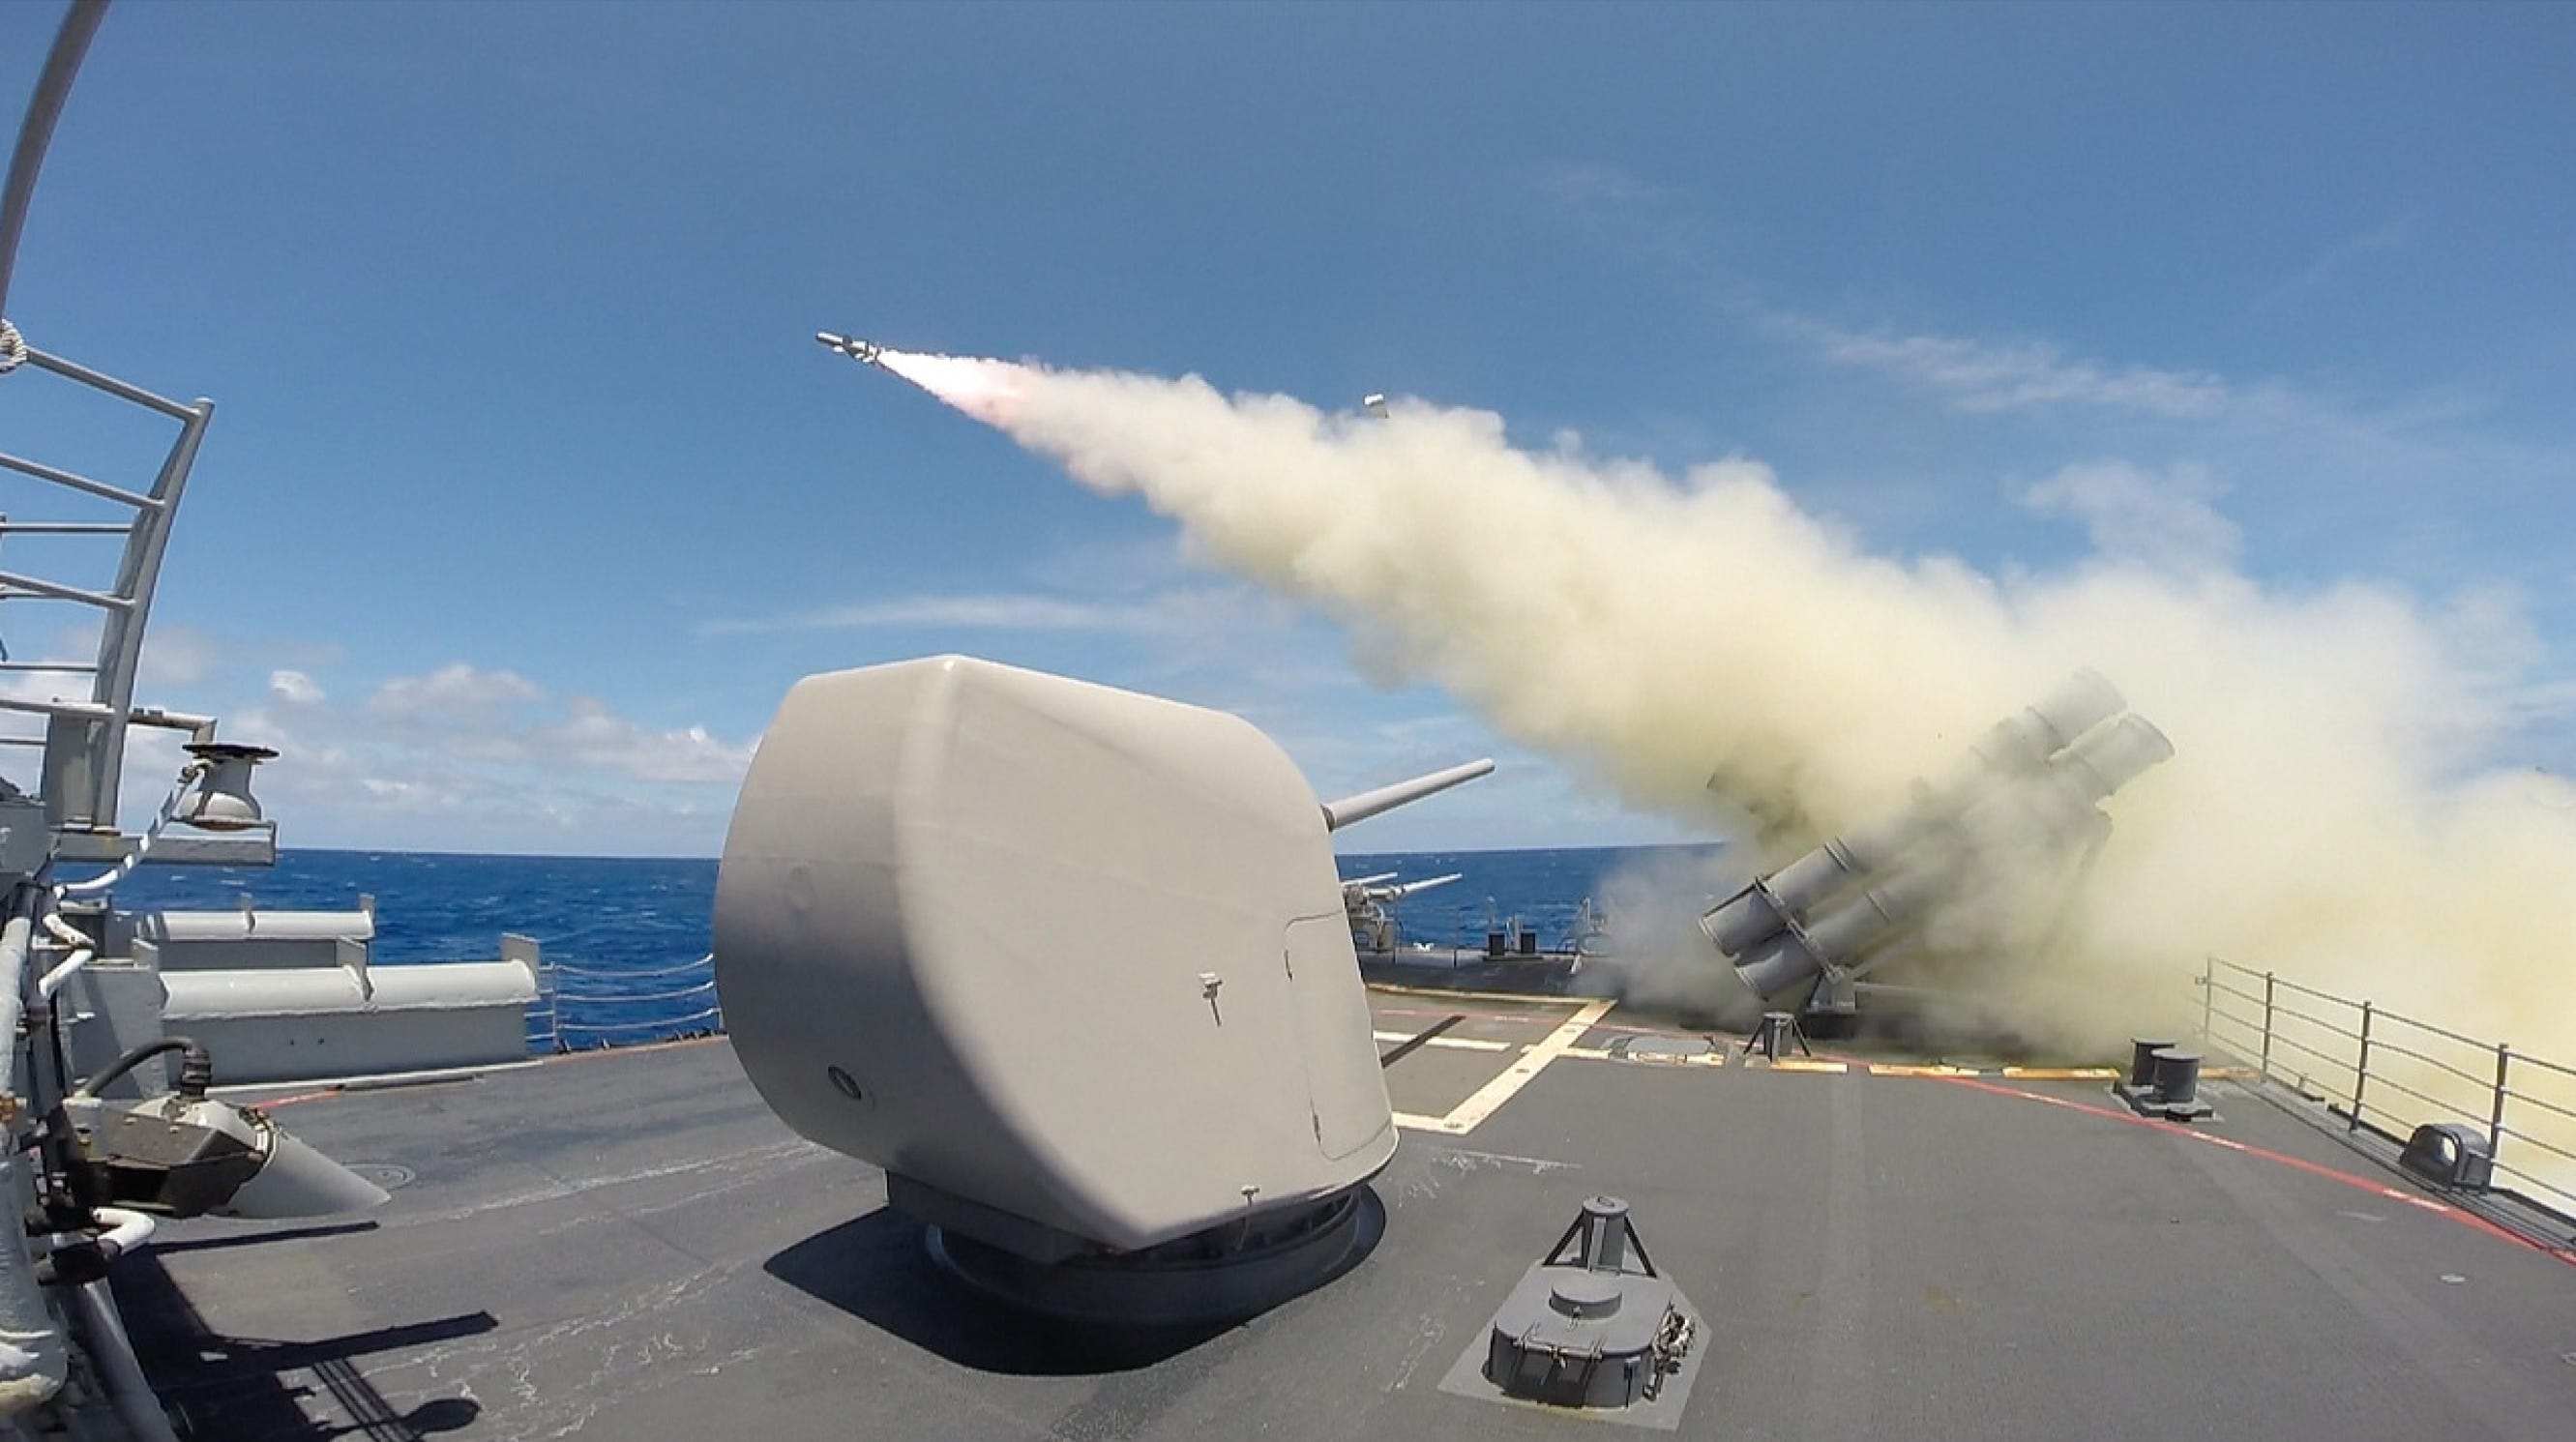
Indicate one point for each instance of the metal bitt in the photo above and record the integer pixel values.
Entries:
(2142, 1060)
(2164, 1081)
(1593, 1324)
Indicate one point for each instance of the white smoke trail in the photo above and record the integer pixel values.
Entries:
(1649, 630)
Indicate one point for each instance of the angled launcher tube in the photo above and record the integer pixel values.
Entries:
(2114, 756)
(2032, 781)
(2026, 739)
(1841, 934)
(2017, 745)
(1779, 967)
(1764, 908)
(1794, 959)
(2058, 808)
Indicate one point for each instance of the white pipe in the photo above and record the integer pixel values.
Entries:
(14, 936)
(34, 1359)
(113, 1351)
(52, 981)
(134, 858)
(126, 1232)
(62, 931)
(33, 1356)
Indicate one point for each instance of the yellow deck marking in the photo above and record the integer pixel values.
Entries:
(2062, 1073)
(1490, 1097)
(1904, 1069)
(1820, 1066)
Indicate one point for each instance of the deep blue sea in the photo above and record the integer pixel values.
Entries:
(630, 933)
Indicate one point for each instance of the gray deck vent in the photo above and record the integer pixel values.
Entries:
(2450, 1154)
(1594, 1325)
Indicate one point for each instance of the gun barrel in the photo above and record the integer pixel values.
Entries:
(1351, 809)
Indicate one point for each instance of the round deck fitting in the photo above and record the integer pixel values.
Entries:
(1586, 1296)
(1223, 1274)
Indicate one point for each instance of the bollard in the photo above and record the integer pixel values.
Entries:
(2142, 1060)
(2177, 1076)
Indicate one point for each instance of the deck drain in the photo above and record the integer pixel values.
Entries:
(388, 1175)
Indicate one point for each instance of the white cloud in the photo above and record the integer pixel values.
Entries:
(501, 718)
(1594, 186)
(2165, 518)
(594, 736)
(469, 758)
(455, 695)
(174, 654)
(1993, 376)
(985, 611)
(295, 688)
(2392, 235)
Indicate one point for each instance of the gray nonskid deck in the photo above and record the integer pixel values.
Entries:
(627, 1245)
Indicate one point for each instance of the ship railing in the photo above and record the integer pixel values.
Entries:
(587, 1005)
(2391, 1072)
(82, 736)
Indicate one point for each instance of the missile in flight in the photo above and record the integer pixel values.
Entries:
(865, 352)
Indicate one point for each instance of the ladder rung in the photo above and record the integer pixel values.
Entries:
(66, 528)
(14, 584)
(81, 483)
(73, 370)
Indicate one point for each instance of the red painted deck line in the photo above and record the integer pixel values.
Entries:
(2295, 1163)
(272, 1104)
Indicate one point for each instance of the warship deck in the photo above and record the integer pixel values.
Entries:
(627, 1245)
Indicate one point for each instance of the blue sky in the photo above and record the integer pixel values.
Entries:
(528, 496)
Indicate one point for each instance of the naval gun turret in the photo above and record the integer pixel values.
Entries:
(2027, 798)
(1073, 966)
(1369, 904)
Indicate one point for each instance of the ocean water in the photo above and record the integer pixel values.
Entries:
(629, 934)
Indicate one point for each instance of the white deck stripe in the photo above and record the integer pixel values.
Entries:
(1455, 1043)
(1490, 1097)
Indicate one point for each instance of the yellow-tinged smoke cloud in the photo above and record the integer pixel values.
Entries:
(1650, 630)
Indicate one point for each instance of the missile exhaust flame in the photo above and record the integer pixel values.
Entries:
(988, 390)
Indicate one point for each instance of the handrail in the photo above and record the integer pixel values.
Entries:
(567, 1020)
(621, 973)
(2287, 1020)
(643, 1025)
(2549, 1147)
